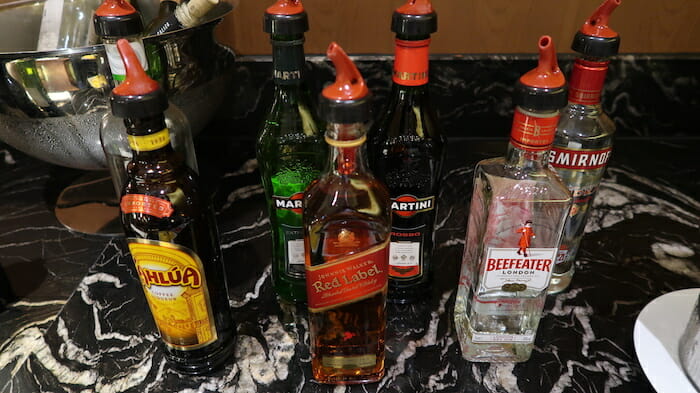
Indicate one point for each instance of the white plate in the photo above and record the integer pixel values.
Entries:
(656, 334)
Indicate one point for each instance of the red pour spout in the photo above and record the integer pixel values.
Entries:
(137, 82)
(115, 8)
(349, 84)
(547, 74)
(597, 24)
(416, 7)
(286, 7)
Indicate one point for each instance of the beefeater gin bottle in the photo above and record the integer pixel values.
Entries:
(517, 213)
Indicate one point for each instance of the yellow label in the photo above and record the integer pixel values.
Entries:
(173, 281)
(151, 141)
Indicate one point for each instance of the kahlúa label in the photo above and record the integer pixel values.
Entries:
(579, 159)
(146, 204)
(518, 269)
(174, 283)
(347, 280)
(411, 62)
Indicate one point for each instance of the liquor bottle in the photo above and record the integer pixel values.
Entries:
(116, 19)
(584, 137)
(290, 149)
(517, 214)
(171, 232)
(187, 14)
(406, 153)
(347, 221)
(165, 9)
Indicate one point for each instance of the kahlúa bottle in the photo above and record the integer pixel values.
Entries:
(171, 232)
(406, 152)
(114, 20)
(517, 213)
(584, 138)
(347, 220)
(290, 148)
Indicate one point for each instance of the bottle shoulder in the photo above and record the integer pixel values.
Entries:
(511, 182)
(408, 116)
(579, 122)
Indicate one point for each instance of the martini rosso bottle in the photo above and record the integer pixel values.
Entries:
(290, 150)
(407, 153)
(171, 232)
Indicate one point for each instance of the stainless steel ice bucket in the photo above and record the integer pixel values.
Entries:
(51, 103)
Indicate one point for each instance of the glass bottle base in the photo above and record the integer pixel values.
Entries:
(347, 376)
(203, 364)
(560, 281)
(492, 351)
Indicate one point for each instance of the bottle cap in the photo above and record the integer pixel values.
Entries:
(596, 38)
(414, 20)
(117, 18)
(543, 88)
(347, 99)
(138, 96)
(286, 17)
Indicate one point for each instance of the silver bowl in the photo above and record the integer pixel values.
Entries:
(52, 102)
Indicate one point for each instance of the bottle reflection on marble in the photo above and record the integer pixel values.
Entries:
(171, 231)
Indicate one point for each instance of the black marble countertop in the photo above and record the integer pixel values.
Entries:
(78, 321)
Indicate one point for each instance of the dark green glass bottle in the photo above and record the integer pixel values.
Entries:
(290, 150)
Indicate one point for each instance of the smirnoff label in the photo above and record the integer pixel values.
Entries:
(518, 269)
(174, 283)
(411, 62)
(579, 159)
(587, 79)
(533, 133)
(408, 205)
(348, 279)
(292, 203)
(146, 204)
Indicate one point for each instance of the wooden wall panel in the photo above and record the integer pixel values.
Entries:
(475, 26)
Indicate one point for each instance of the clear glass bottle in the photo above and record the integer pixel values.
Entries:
(406, 153)
(347, 221)
(517, 213)
(584, 139)
(290, 149)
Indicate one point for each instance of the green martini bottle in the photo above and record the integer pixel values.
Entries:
(290, 149)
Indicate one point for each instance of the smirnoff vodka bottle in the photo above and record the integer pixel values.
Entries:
(584, 137)
(517, 213)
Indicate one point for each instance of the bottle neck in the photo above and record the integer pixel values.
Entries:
(287, 59)
(531, 137)
(347, 148)
(149, 138)
(586, 81)
(411, 62)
